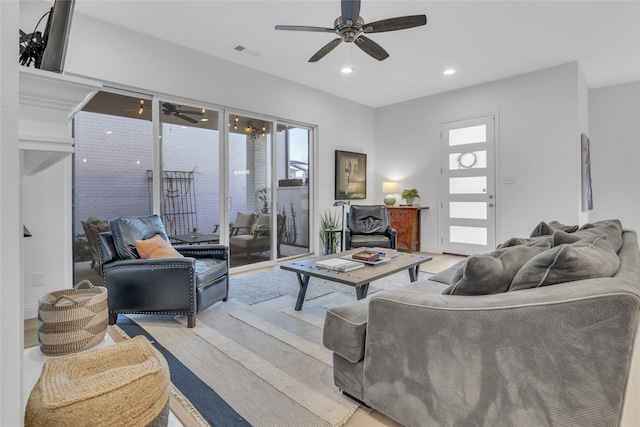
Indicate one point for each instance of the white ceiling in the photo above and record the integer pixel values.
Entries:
(482, 40)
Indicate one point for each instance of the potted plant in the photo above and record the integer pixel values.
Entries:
(330, 221)
(410, 195)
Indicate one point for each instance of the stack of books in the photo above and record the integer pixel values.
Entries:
(339, 264)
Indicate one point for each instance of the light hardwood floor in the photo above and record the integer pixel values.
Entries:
(363, 416)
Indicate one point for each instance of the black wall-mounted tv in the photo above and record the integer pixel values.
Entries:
(56, 36)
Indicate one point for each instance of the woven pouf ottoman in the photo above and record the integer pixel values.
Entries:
(125, 384)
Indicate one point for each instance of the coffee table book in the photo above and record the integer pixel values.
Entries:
(339, 264)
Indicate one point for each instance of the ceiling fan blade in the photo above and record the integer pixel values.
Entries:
(394, 24)
(371, 48)
(305, 28)
(187, 118)
(192, 112)
(325, 49)
(350, 10)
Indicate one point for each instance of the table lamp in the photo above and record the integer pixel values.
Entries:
(389, 188)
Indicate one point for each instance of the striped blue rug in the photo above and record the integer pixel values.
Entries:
(210, 405)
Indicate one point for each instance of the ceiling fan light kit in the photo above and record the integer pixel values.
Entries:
(350, 27)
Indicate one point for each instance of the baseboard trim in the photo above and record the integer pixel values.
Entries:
(30, 311)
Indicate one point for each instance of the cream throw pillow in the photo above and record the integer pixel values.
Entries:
(156, 247)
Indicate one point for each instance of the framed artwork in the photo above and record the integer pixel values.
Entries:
(587, 195)
(351, 175)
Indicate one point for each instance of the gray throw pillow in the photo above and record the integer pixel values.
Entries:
(527, 241)
(547, 229)
(588, 258)
(126, 230)
(445, 276)
(491, 273)
(611, 230)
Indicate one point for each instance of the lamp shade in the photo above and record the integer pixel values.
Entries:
(390, 187)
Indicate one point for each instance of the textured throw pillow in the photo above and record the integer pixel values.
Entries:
(156, 247)
(491, 273)
(547, 229)
(585, 259)
(527, 241)
(612, 231)
(445, 276)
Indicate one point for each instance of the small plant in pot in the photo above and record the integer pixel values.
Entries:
(410, 195)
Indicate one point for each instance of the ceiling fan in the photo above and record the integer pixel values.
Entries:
(176, 110)
(351, 28)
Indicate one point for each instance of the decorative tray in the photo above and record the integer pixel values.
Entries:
(379, 261)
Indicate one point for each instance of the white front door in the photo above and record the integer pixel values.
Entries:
(467, 190)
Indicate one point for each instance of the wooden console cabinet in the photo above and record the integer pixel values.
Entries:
(406, 221)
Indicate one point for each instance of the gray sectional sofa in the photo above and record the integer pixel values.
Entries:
(549, 352)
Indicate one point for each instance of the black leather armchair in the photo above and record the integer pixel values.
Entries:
(368, 227)
(178, 285)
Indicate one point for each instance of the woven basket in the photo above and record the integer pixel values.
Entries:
(72, 320)
(125, 384)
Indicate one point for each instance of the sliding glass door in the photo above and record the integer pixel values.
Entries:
(215, 177)
(113, 154)
(190, 172)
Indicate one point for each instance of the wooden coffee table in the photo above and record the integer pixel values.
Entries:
(360, 278)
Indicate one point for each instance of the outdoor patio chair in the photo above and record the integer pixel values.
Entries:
(257, 237)
(92, 227)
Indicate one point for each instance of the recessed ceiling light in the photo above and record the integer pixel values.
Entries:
(108, 132)
(347, 70)
(204, 120)
(449, 72)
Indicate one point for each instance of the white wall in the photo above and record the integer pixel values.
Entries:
(614, 115)
(11, 301)
(538, 139)
(47, 214)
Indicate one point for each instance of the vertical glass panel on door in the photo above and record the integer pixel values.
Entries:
(468, 210)
(251, 229)
(468, 235)
(113, 150)
(293, 189)
(468, 185)
(190, 173)
(468, 135)
(468, 160)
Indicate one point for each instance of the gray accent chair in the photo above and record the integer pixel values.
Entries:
(368, 227)
(561, 355)
(182, 285)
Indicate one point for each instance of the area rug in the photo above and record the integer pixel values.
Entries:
(262, 365)
(192, 401)
(261, 287)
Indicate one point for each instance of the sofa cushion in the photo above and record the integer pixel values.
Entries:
(244, 222)
(588, 258)
(345, 328)
(156, 247)
(209, 269)
(492, 273)
(126, 230)
(611, 229)
(547, 229)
